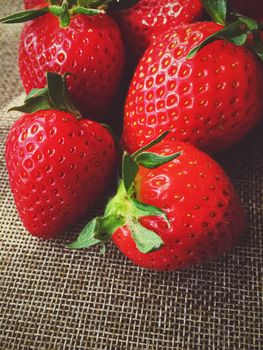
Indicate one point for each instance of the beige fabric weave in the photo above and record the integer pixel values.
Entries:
(55, 299)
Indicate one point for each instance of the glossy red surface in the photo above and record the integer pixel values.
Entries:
(205, 213)
(90, 48)
(147, 19)
(210, 101)
(58, 167)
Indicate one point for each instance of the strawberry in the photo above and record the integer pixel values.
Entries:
(58, 166)
(211, 99)
(89, 46)
(199, 218)
(29, 4)
(142, 23)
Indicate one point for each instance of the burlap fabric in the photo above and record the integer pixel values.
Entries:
(54, 299)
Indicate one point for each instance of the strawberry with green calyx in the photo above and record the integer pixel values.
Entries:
(65, 9)
(201, 82)
(142, 20)
(167, 217)
(125, 209)
(238, 29)
(106, 5)
(223, 11)
(75, 37)
(58, 163)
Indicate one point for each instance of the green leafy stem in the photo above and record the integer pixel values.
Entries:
(65, 9)
(124, 209)
(239, 30)
(54, 96)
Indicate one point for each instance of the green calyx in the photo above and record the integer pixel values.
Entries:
(54, 96)
(65, 9)
(237, 29)
(124, 209)
(120, 211)
(217, 10)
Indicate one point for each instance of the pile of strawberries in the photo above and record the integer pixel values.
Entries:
(192, 85)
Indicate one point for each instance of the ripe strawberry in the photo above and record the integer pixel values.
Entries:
(87, 46)
(142, 23)
(29, 4)
(58, 167)
(211, 100)
(205, 215)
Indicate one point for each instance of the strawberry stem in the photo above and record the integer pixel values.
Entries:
(236, 32)
(54, 96)
(67, 8)
(119, 212)
(217, 10)
(124, 209)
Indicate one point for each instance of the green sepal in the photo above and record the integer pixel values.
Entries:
(130, 164)
(152, 160)
(129, 170)
(55, 10)
(103, 249)
(58, 92)
(117, 5)
(141, 209)
(257, 46)
(146, 241)
(55, 96)
(236, 32)
(24, 16)
(125, 210)
(120, 211)
(37, 100)
(86, 11)
(250, 23)
(56, 89)
(151, 144)
(217, 10)
(64, 17)
(68, 8)
(109, 224)
(36, 92)
(63, 12)
(87, 236)
(98, 230)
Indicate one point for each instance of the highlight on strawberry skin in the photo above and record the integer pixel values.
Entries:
(59, 164)
(174, 208)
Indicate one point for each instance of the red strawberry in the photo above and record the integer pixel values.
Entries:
(29, 4)
(205, 215)
(58, 167)
(211, 100)
(147, 19)
(253, 9)
(87, 46)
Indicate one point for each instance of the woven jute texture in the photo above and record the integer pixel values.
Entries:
(54, 299)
